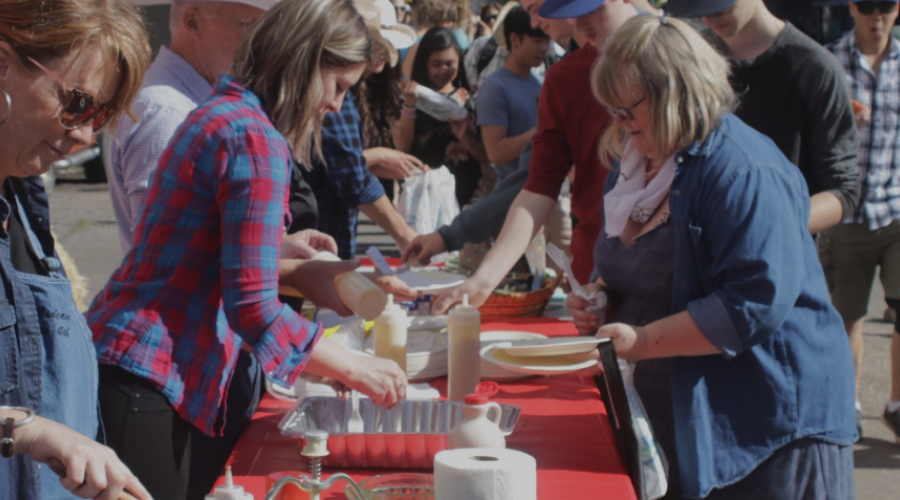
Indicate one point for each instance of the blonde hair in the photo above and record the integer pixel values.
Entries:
(684, 80)
(282, 58)
(51, 29)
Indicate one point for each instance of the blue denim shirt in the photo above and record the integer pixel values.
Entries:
(747, 271)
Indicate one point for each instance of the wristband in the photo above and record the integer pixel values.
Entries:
(407, 114)
(7, 442)
(407, 106)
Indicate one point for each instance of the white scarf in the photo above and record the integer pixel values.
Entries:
(633, 198)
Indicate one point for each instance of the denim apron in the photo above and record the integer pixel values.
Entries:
(69, 371)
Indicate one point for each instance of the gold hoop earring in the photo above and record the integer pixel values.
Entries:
(8, 105)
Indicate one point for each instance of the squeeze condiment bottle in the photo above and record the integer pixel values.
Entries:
(357, 292)
(477, 430)
(464, 322)
(229, 491)
(390, 333)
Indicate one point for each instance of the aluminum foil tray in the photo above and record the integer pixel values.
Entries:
(407, 436)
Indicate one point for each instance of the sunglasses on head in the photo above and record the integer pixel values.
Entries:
(79, 107)
(867, 8)
(625, 114)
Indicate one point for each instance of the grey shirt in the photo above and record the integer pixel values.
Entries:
(797, 94)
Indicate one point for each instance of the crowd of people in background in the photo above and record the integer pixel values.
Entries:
(730, 184)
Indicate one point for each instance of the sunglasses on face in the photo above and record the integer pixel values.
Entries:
(79, 107)
(867, 8)
(625, 114)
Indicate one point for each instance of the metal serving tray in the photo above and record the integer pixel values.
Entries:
(407, 436)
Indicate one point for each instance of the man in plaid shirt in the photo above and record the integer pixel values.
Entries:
(870, 236)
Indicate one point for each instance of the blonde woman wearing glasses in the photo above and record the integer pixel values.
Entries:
(66, 68)
(742, 363)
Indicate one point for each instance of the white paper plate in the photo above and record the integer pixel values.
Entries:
(556, 346)
(426, 354)
(440, 107)
(418, 342)
(546, 365)
(436, 323)
(490, 371)
(431, 281)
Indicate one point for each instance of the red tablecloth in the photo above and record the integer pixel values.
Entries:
(563, 424)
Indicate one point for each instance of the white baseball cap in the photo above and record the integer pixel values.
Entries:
(381, 13)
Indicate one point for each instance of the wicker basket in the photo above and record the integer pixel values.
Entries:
(519, 304)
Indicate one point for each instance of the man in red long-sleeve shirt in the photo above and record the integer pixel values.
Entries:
(570, 123)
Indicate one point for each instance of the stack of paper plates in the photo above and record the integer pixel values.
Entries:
(555, 356)
(491, 371)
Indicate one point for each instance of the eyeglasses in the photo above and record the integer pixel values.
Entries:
(79, 107)
(625, 114)
(866, 8)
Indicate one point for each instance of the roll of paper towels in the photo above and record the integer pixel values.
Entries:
(484, 474)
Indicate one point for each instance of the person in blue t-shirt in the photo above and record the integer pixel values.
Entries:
(508, 99)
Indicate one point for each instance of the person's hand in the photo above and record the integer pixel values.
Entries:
(392, 284)
(861, 113)
(380, 379)
(587, 322)
(461, 96)
(392, 164)
(630, 341)
(403, 240)
(477, 290)
(91, 469)
(315, 280)
(408, 91)
(306, 243)
(422, 248)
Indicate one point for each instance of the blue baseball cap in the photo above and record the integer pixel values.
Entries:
(697, 8)
(566, 9)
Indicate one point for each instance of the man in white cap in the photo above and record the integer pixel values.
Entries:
(205, 38)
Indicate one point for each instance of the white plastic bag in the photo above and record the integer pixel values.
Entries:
(653, 460)
(428, 200)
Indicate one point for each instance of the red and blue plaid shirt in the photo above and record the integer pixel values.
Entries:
(202, 276)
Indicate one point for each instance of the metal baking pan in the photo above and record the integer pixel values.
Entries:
(407, 436)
